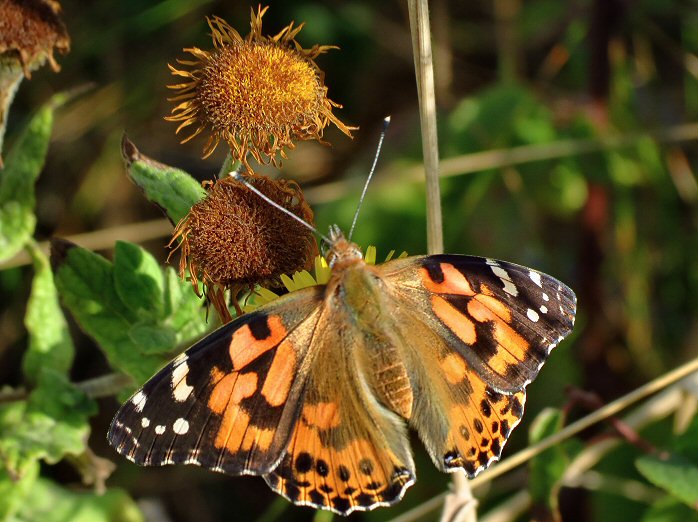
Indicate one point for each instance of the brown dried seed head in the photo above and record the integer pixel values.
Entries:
(30, 30)
(232, 239)
(258, 94)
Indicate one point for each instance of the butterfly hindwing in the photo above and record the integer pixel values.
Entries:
(228, 403)
(477, 331)
(347, 451)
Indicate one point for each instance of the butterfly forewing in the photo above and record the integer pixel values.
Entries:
(228, 403)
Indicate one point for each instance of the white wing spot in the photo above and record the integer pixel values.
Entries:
(503, 275)
(500, 272)
(535, 277)
(180, 358)
(532, 315)
(160, 429)
(180, 426)
(180, 389)
(138, 400)
(510, 288)
(545, 297)
(544, 309)
(145, 422)
(491, 262)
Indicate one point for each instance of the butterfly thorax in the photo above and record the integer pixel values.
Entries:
(357, 292)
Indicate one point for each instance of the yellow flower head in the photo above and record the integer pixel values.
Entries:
(258, 94)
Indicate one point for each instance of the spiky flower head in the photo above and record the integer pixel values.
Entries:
(234, 240)
(258, 94)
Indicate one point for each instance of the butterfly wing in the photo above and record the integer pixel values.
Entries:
(347, 451)
(230, 401)
(477, 332)
(278, 392)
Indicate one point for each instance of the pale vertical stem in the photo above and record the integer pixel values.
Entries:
(460, 504)
(424, 69)
(508, 47)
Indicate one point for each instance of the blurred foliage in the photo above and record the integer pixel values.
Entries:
(591, 178)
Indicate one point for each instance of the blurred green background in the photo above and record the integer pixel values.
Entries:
(583, 108)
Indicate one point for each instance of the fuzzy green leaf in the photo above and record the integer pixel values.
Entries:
(22, 167)
(16, 487)
(184, 307)
(109, 307)
(668, 509)
(50, 345)
(51, 423)
(53, 503)
(85, 282)
(546, 469)
(676, 475)
(171, 189)
(138, 280)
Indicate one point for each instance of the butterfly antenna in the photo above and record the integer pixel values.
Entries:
(239, 177)
(386, 122)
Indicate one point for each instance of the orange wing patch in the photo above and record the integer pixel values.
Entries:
(460, 325)
(356, 476)
(247, 344)
(282, 371)
(323, 416)
(480, 423)
(452, 281)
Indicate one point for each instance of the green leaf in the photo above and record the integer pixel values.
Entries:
(15, 488)
(686, 443)
(50, 345)
(546, 469)
(173, 190)
(668, 509)
(184, 306)
(53, 503)
(151, 339)
(676, 475)
(86, 284)
(108, 307)
(51, 423)
(138, 280)
(22, 167)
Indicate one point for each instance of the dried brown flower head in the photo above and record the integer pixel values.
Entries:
(233, 240)
(257, 94)
(30, 30)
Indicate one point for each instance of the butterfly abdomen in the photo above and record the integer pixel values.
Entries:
(391, 381)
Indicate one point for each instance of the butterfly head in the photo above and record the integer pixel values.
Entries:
(341, 250)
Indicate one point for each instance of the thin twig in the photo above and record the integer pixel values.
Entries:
(105, 238)
(424, 68)
(102, 386)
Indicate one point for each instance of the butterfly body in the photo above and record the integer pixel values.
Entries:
(315, 390)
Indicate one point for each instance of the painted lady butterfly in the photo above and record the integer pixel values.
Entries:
(315, 390)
